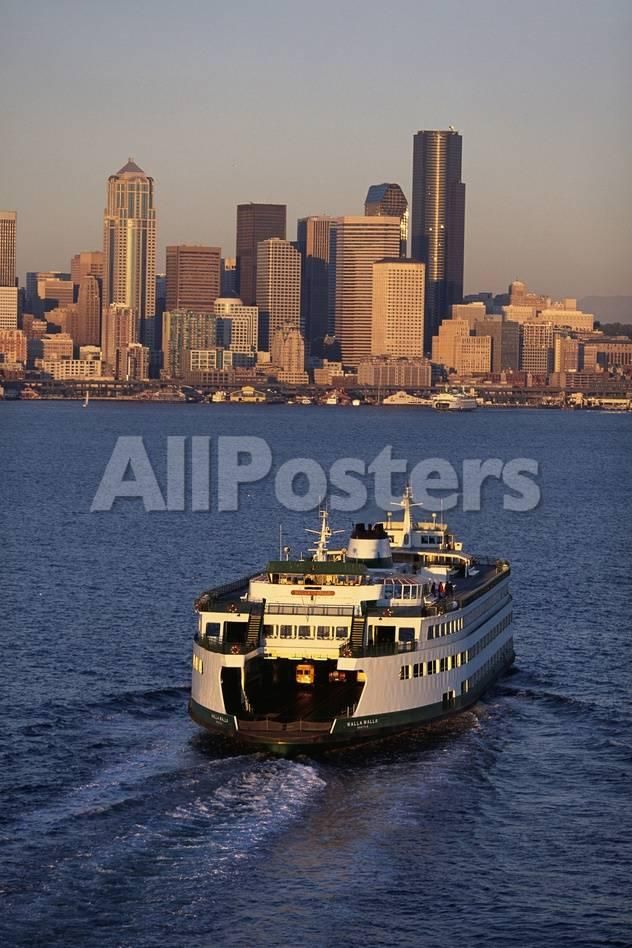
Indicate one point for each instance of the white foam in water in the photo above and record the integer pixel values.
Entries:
(236, 816)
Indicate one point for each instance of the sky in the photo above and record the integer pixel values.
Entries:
(308, 104)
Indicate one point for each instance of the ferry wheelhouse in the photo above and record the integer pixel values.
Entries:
(399, 628)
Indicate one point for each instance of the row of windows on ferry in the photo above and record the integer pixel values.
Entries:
(437, 665)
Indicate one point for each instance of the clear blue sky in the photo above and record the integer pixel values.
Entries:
(310, 103)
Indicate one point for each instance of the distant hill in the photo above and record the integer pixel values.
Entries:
(608, 309)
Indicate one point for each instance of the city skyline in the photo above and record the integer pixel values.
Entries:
(532, 137)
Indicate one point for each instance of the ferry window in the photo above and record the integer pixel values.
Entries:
(304, 632)
(443, 664)
(404, 672)
(431, 631)
(268, 631)
(323, 632)
(430, 667)
(212, 629)
(406, 592)
(416, 670)
(406, 634)
(341, 632)
(465, 685)
(388, 590)
(285, 631)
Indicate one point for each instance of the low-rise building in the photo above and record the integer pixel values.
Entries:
(12, 347)
(71, 368)
(395, 373)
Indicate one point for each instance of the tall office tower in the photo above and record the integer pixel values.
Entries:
(228, 277)
(357, 243)
(313, 238)
(88, 321)
(183, 330)
(86, 263)
(193, 274)
(255, 222)
(129, 247)
(119, 328)
(278, 288)
(397, 326)
(388, 200)
(438, 221)
(237, 325)
(8, 224)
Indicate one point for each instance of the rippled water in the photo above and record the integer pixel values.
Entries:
(123, 825)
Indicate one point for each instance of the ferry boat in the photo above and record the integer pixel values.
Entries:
(399, 628)
(454, 399)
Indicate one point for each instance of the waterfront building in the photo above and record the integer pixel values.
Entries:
(397, 308)
(357, 243)
(71, 368)
(607, 352)
(278, 288)
(8, 228)
(505, 337)
(12, 347)
(438, 221)
(129, 247)
(537, 347)
(183, 330)
(193, 277)
(472, 355)
(132, 361)
(395, 373)
(566, 353)
(287, 356)
(327, 371)
(119, 329)
(255, 223)
(237, 326)
(313, 239)
(8, 307)
(388, 200)
(90, 352)
(57, 345)
(444, 343)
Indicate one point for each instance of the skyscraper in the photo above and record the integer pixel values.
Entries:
(357, 243)
(278, 288)
(129, 246)
(388, 200)
(313, 237)
(86, 263)
(438, 221)
(398, 308)
(8, 223)
(193, 277)
(255, 222)
(88, 319)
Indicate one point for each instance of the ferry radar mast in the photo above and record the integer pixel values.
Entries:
(324, 535)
